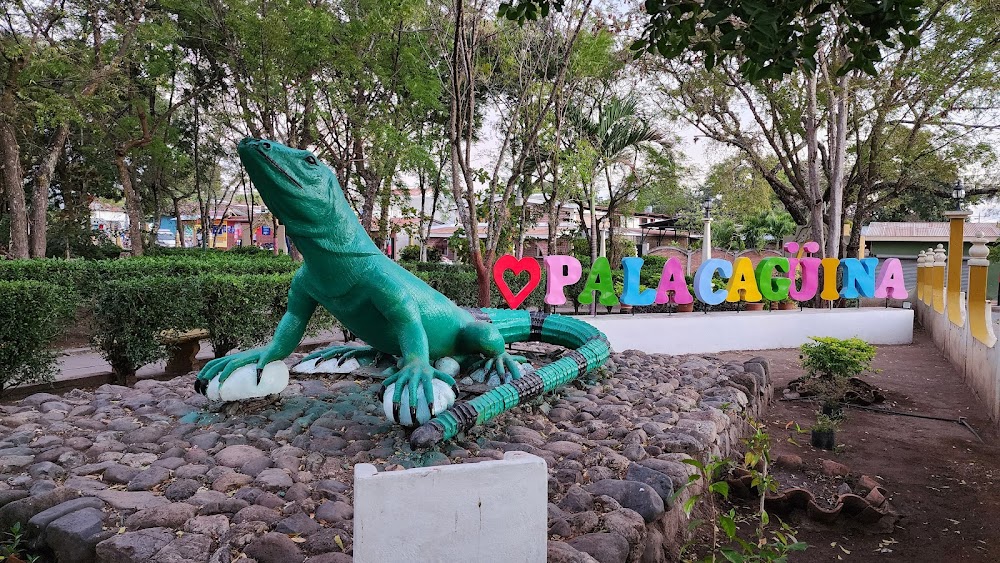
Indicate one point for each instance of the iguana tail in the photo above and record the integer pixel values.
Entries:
(589, 350)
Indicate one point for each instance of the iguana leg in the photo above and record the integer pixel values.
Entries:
(343, 353)
(286, 337)
(414, 368)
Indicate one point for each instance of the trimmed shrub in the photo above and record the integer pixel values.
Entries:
(34, 314)
(242, 311)
(129, 316)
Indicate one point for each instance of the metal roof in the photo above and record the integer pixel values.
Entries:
(926, 232)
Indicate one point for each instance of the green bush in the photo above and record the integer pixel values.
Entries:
(836, 358)
(129, 315)
(242, 311)
(411, 253)
(34, 314)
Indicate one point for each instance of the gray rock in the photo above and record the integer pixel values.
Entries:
(331, 558)
(40, 521)
(223, 506)
(190, 471)
(118, 474)
(46, 470)
(146, 480)
(171, 463)
(74, 536)
(660, 482)
(125, 500)
(254, 466)
(275, 548)
(134, 547)
(640, 497)
(236, 456)
(172, 515)
(185, 549)
(257, 513)
(181, 489)
(334, 511)
(677, 472)
(37, 399)
(561, 552)
(273, 480)
(604, 547)
(145, 435)
(214, 526)
(300, 524)
(24, 509)
(577, 500)
(10, 496)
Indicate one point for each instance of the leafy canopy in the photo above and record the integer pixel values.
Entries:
(773, 37)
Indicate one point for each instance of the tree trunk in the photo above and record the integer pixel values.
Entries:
(816, 216)
(10, 159)
(839, 153)
(40, 194)
(133, 205)
(13, 181)
(180, 227)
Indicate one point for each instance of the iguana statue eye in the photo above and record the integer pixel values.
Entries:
(311, 160)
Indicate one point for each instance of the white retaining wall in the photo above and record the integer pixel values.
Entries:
(698, 333)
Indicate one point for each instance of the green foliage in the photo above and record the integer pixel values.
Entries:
(14, 546)
(769, 545)
(411, 253)
(994, 256)
(130, 314)
(825, 422)
(34, 314)
(837, 358)
(242, 311)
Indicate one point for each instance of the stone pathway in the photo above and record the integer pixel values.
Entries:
(155, 474)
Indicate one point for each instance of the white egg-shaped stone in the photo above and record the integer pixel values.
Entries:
(444, 398)
(331, 366)
(448, 365)
(242, 384)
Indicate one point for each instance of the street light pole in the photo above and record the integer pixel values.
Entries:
(706, 242)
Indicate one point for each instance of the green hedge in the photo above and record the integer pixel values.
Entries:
(241, 311)
(128, 316)
(34, 314)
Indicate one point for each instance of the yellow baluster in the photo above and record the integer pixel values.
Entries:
(937, 289)
(980, 314)
(956, 248)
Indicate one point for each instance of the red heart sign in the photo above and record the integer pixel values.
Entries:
(508, 262)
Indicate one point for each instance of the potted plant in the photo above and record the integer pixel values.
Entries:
(824, 432)
(787, 304)
(753, 306)
(688, 307)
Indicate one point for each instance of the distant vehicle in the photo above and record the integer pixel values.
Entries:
(166, 238)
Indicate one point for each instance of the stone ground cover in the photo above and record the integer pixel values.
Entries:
(154, 473)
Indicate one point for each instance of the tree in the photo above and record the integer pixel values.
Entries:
(540, 73)
(617, 133)
(823, 140)
(771, 39)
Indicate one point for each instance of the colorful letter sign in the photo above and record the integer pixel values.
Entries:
(799, 277)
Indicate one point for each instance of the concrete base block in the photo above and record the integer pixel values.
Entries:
(487, 511)
(697, 333)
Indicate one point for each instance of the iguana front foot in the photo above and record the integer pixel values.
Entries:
(225, 366)
(505, 365)
(341, 354)
(414, 377)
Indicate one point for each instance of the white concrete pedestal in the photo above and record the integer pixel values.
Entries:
(487, 511)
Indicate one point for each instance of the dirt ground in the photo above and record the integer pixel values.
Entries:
(939, 477)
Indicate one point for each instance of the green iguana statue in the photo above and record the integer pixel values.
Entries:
(391, 309)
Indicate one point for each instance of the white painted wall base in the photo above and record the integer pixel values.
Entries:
(487, 511)
(698, 333)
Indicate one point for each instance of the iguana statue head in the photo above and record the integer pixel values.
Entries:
(299, 190)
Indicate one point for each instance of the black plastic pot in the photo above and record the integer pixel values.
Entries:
(824, 439)
(833, 410)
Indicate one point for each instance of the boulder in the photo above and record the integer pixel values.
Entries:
(74, 536)
(640, 497)
(604, 547)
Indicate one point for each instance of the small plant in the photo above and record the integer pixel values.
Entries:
(13, 548)
(769, 546)
(832, 362)
(824, 432)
